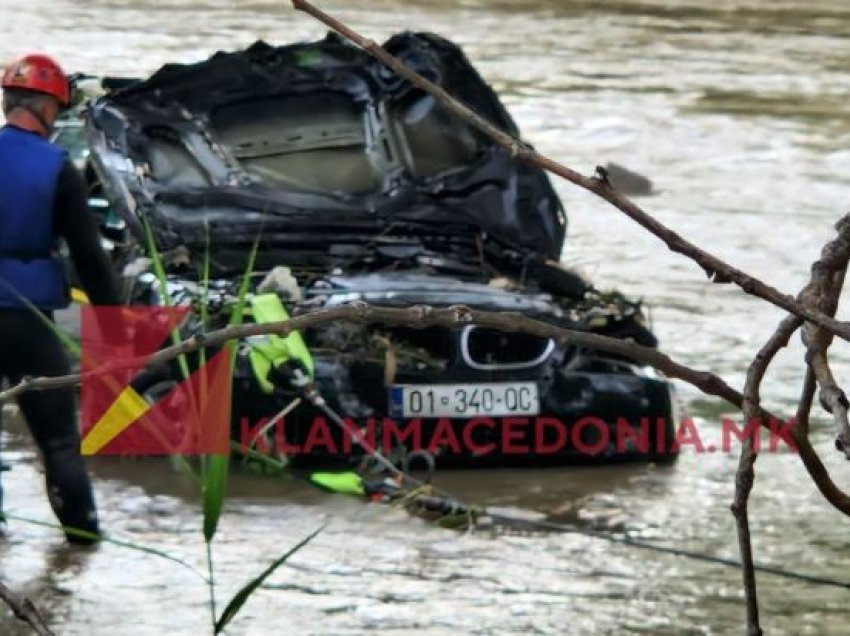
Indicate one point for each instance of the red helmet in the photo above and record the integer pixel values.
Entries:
(38, 73)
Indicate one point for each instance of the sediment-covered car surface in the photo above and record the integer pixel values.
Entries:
(357, 186)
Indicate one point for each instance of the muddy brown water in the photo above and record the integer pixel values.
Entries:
(739, 113)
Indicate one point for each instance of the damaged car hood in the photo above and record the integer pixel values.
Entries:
(318, 140)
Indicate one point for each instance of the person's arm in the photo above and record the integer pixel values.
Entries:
(76, 224)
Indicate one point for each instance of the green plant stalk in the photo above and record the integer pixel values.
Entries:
(118, 542)
(202, 360)
(216, 467)
(162, 279)
(205, 280)
(249, 588)
(211, 583)
(204, 311)
(215, 483)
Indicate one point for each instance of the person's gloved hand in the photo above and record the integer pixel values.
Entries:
(290, 374)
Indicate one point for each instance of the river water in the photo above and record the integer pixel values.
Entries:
(740, 113)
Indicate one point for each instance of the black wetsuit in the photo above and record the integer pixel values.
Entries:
(28, 347)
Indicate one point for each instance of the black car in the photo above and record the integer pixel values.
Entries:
(355, 185)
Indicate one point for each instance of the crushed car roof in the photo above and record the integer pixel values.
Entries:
(321, 135)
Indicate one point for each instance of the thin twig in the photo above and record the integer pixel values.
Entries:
(832, 399)
(716, 269)
(804, 406)
(211, 583)
(25, 610)
(828, 274)
(745, 475)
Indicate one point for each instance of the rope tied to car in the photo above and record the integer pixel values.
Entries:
(430, 499)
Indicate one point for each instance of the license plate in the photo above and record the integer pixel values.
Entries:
(464, 400)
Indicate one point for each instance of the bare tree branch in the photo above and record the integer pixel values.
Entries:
(424, 316)
(716, 269)
(24, 610)
(819, 474)
(417, 316)
(822, 291)
(804, 407)
(745, 475)
(832, 399)
(828, 275)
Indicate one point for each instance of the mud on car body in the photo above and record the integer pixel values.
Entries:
(358, 186)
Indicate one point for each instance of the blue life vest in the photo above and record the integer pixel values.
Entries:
(30, 271)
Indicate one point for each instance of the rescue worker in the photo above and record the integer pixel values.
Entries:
(43, 198)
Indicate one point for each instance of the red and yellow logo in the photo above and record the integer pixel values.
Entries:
(139, 411)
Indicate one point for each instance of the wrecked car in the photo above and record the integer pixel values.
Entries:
(338, 181)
